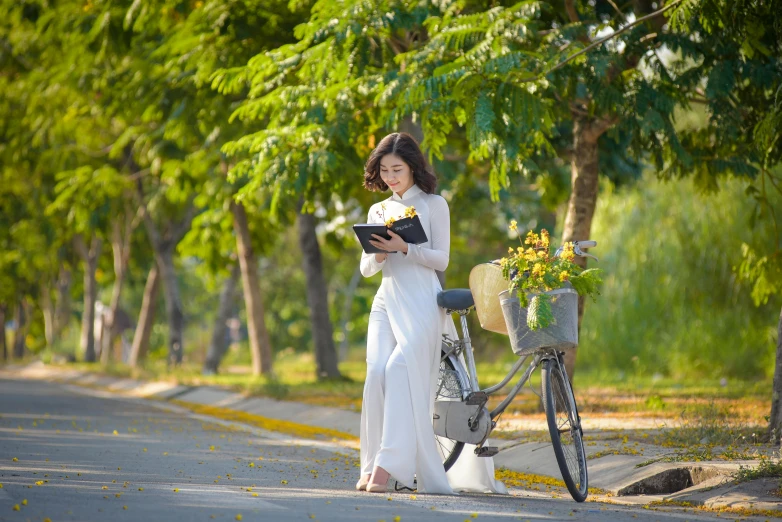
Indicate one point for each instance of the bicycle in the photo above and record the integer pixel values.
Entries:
(460, 413)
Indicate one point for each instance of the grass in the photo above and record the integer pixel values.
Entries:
(768, 468)
(700, 454)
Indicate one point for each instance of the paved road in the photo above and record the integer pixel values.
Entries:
(75, 454)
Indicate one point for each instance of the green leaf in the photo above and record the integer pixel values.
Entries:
(539, 312)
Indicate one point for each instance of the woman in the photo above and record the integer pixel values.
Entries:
(404, 334)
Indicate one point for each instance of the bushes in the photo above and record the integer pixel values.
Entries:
(671, 301)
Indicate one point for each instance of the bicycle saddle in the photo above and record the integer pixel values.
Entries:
(456, 299)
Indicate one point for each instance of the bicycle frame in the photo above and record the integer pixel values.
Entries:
(464, 345)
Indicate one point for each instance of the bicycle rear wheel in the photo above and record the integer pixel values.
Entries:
(564, 425)
(449, 388)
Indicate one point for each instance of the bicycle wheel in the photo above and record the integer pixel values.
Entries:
(564, 425)
(449, 388)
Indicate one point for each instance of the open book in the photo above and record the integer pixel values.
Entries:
(409, 229)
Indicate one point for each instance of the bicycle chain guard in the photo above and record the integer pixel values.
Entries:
(452, 420)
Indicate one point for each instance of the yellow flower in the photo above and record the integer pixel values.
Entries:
(410, 212)
(390, 222)
(563, 276)
(513, 225)
(544, 237)
(531, 239)
(541, 254)
(567, 252)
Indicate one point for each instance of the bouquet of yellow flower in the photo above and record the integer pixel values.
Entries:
(532, 270)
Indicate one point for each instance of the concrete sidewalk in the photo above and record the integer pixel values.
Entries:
(619, 476)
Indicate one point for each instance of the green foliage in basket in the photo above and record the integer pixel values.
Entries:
(532, 269)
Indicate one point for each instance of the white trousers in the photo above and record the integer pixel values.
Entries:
(390, 429)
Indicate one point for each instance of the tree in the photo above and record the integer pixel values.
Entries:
(140, 346)
(317, 124)
(223, 35)
(218, 344)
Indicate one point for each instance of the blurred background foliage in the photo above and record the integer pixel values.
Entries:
(175, 105)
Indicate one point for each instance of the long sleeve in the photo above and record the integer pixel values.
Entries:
(369, 265)
(437, 256)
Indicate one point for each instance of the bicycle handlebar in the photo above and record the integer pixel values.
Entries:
(578, 245)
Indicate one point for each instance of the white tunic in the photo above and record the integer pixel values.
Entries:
(409, 295)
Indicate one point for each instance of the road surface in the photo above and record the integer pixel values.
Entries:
(70, 453)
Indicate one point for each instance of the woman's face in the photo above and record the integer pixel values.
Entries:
(396, 173)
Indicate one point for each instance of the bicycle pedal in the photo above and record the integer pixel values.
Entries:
(476, 398)
(487, 451)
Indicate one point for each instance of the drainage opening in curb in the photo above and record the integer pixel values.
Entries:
(669, 481)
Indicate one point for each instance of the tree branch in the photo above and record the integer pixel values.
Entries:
(149, 224)
(600, 41)
(181, 228)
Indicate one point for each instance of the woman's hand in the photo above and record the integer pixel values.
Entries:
(396, 243)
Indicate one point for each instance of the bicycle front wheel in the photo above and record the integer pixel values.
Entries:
(564, 425)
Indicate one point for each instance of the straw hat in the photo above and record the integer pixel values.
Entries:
(486, 282)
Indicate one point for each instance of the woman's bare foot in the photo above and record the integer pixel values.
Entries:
(361, 485)
(379, 480)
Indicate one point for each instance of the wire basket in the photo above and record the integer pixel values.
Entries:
(561, 334)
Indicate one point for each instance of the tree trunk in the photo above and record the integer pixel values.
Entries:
(317, 298)
(47, 307)
(21, 318)
(120, 247)
(775, 419)
(3, 346)
(176, 318)
(164, 244)
(219, 343)
(62, 307)
(260, 344)
(145, 319)
(347, 305)
(583, 198)
(90, 259)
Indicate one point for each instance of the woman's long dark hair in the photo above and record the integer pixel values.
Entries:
(403, 145)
